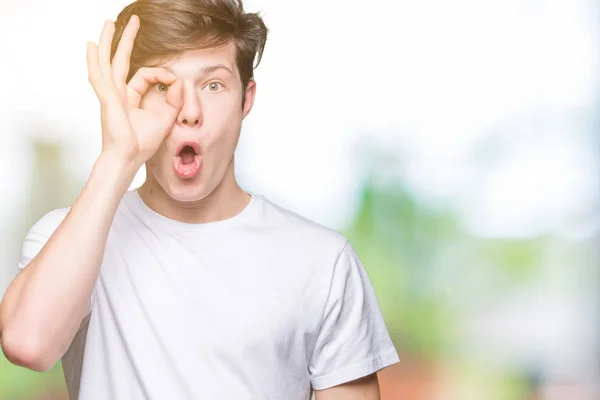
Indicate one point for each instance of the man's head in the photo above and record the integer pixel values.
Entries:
(213, 46)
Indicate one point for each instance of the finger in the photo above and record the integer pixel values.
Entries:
(94, 74)
(141, 81)
(174, 103)
(175, 97)
(104, 49)
(121, 60)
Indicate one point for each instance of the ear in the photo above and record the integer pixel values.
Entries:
(249, 97)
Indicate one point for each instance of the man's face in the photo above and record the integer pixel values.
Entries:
(209, 122)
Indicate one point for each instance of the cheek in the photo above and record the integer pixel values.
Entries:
(160, 160)
(222, 103)
(227, 133)
(223, 119)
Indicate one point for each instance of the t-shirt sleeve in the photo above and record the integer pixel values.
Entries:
(353, 340)
(39, 234)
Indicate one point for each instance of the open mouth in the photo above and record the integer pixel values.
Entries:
(187, 155)
(188, 160)
(188, 150)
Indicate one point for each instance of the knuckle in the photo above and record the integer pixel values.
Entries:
(93, 77)
(117, 78)
(104, 103)
(107, 97)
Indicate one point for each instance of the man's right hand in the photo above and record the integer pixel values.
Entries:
(47, 303)
(128, 131)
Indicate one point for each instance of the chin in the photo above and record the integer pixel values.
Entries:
(188, 190)
(183, 190)
(188, 195)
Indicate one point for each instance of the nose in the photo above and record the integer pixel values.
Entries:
(189, 122)
(191, 112)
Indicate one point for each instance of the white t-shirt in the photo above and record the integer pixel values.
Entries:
(263, 305)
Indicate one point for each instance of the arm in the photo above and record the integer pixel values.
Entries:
(366, 388)
(46, 303)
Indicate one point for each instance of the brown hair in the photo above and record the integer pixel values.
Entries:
(170, 27)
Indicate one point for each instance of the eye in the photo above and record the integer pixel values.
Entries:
(162, 87)
(214, 87)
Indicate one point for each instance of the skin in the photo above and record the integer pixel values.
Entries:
(143, 123)
(366, 388)
(211, 115)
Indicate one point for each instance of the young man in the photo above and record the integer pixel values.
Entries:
(188, 287)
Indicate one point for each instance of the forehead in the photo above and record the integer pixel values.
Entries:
(191, 63)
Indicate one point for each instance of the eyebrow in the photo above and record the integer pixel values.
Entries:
(213, 68)
(208, 69)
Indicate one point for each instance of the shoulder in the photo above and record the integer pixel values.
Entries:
(301, 230)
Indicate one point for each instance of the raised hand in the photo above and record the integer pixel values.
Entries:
(127, 130)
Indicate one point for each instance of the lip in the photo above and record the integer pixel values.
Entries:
(194, 145)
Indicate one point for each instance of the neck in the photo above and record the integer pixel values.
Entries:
(225, 201)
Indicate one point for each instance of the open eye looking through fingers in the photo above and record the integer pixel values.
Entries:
(161, 87)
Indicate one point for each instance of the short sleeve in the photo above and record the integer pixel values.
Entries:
(39, 234)
(353, 340)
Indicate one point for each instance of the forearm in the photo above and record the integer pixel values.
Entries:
(45, 304)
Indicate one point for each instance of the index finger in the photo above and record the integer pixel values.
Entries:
(121, 59)
(142, 80)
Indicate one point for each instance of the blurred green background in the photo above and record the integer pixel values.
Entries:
(455, 144)
(440, 288)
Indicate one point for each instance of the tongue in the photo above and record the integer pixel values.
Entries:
(187, 157)
(189, 170)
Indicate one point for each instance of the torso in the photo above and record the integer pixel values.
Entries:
(227, 310)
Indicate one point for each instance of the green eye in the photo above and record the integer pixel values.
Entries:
(162, 87)
(214, 87)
